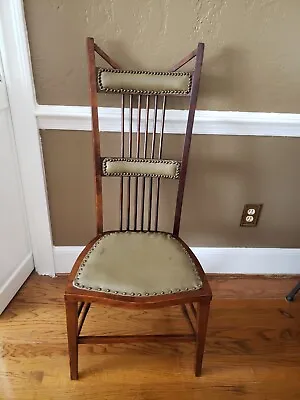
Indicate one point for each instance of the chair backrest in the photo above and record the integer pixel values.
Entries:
(141, 166)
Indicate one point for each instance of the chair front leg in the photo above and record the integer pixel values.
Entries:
(72, 329)
(201, 331)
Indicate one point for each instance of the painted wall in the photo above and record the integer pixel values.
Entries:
(251, 64)
(251, 59)
(225, 172)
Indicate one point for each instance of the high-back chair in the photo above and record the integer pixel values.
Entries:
(139, 266)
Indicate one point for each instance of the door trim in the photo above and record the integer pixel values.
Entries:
(16, 61)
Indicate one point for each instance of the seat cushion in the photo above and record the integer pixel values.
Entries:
(137, 264)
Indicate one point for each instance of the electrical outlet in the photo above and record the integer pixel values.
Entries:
(251, 214)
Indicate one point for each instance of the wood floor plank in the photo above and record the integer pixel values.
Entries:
(252, 349)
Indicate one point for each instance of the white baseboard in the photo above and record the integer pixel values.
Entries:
(242, 260)
(64, 257)
(15, 281)
(206, 122)
(224, 260)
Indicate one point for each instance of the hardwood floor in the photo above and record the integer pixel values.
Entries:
(252, 347)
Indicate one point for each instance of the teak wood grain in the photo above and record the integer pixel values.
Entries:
(252, 349)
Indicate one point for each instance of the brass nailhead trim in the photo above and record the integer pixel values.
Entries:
(167, 291)
(140, 174)
(148, 92)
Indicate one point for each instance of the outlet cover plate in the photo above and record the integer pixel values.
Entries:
(250, 215)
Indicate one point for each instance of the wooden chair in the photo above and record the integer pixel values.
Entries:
(139, 266)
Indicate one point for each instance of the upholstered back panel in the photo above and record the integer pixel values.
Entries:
(141, 167)
(142, 161)
(144, 82)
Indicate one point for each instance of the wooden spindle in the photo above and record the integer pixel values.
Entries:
(138, 140)
(145, 156)
(152, 156)
(161, 139)
(129, 155)
(122, 155)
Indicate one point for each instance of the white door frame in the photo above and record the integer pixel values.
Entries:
(16, 60)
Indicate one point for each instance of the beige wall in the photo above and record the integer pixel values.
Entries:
(251, 64)
(252, 61)
(224, 174)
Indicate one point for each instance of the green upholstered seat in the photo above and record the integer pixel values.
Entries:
(138, 264)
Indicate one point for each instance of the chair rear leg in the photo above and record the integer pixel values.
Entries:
(72, 329)
(201, 330)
